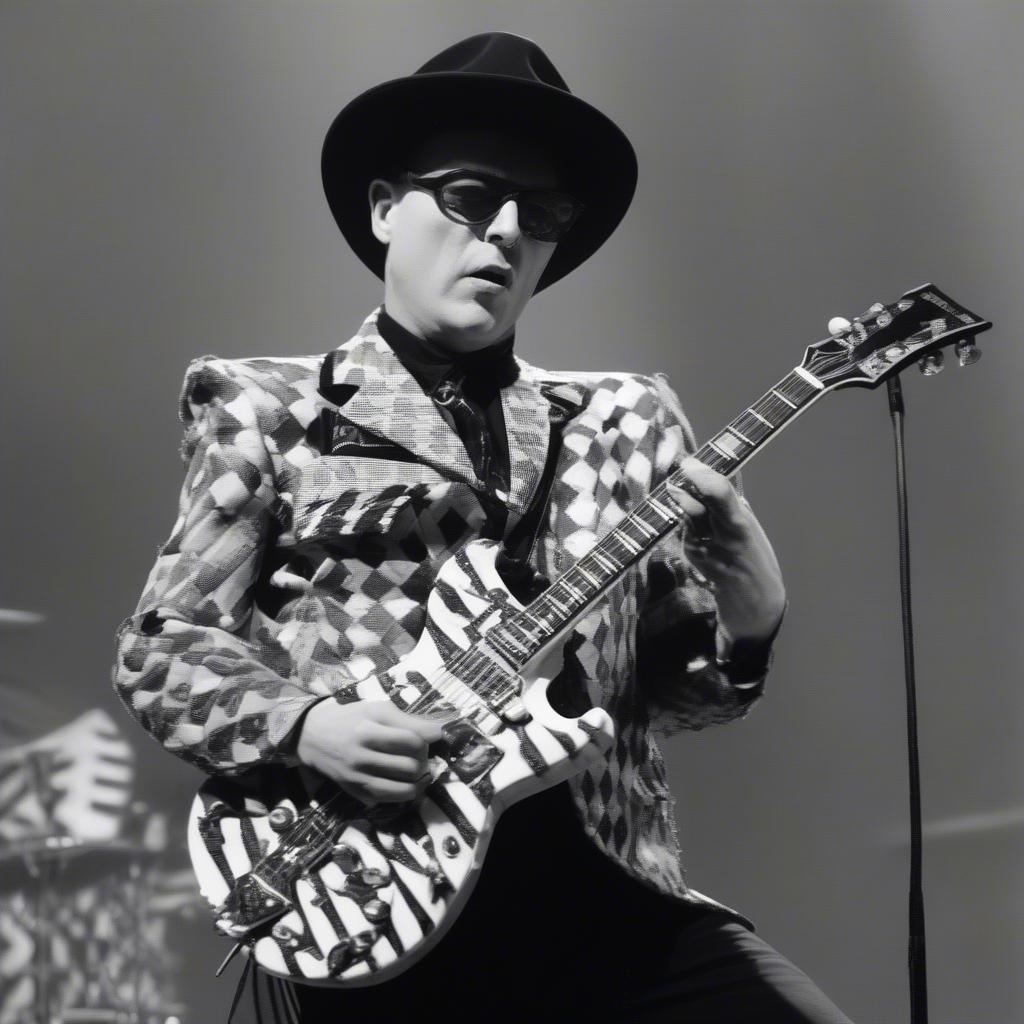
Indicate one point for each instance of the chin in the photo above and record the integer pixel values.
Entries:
(473, 322)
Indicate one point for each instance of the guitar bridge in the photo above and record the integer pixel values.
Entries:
(249, 904)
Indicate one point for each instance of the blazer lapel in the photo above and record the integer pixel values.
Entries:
(388, 400)
(528, 431)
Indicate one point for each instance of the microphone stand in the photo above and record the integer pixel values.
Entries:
(916, 945)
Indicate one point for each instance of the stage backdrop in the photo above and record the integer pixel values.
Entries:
(161, 199)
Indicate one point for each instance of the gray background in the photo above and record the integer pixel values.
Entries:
(161, 200)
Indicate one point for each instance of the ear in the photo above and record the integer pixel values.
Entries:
(384, 197)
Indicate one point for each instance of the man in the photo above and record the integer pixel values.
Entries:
(324, 493)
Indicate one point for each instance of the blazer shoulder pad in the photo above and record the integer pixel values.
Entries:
(281, 382)
(280, 391)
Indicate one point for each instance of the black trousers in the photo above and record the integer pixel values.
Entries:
(555, 932)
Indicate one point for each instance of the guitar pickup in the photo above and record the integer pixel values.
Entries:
(470, 754)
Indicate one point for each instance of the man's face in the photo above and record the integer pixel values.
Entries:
(429, 287)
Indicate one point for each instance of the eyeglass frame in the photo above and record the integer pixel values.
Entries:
(434, 187)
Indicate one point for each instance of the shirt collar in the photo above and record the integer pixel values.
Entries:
(487, 369)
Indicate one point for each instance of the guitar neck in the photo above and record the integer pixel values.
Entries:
(526, 632)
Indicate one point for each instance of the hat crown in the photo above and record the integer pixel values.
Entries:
(497, 53)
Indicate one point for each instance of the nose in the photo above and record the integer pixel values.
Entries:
(503, 230)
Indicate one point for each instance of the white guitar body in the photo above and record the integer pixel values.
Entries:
(389, 881)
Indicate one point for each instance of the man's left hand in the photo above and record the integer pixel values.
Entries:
(727, 545)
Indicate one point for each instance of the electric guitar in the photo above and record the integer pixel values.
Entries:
(318, 887)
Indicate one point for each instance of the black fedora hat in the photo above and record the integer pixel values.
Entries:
(495, 80)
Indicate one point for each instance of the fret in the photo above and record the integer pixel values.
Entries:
(715, 460)
(663, 511)
(751, 428)
(551, 599)
(656, 516)
(513, 630)
(523, 622)
(569, 595)
(767, 423)
(733, 429)
(548, 617)
(791, 387)
(577, 595)
(717, 445)
(772, 410)
(778, 394)
(626, 541)
(506, 643)
(594, 581)
(602, 557)
(645, 528)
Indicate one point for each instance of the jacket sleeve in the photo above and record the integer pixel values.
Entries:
(677, 667)
(188, 666)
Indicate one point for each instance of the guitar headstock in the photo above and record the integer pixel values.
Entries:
(886, 339)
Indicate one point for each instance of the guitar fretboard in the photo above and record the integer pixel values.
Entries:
(524, 633)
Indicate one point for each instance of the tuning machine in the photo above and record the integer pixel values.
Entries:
(967, 351)
(932, 363)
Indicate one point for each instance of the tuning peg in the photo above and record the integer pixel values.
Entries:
(931, 363)
(967, 351)
(873, 310)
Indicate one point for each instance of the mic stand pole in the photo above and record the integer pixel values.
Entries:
(916, 945)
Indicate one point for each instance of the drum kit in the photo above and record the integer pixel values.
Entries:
(86, 891)
(94, 949)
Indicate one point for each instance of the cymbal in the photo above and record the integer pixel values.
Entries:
(151, 1012)
(65, 848)
(14, 617)
(1001, 820)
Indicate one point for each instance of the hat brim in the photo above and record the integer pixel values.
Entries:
(377, 126)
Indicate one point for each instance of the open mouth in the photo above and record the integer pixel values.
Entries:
(495, 276)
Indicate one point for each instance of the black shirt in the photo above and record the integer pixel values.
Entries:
(466, 387)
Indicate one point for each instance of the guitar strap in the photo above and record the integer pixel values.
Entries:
(523, 536)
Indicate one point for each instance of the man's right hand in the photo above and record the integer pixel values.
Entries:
(372, 750)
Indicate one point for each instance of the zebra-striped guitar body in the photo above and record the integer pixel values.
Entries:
(323, 890)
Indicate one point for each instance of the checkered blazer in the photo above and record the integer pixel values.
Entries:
(291, 574)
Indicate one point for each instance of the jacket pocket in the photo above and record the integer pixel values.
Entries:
(345, 495)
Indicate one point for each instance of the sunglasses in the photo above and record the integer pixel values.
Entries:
(471, 197)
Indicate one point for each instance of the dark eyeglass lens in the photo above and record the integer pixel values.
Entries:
(472, 200)
(554, 209)
(535, 220)
(544, 216)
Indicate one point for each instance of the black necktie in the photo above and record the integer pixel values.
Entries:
(470, 423)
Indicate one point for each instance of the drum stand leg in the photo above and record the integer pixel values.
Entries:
(44, 871)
